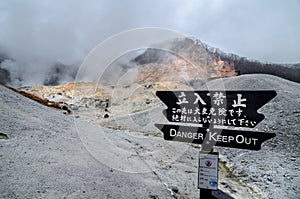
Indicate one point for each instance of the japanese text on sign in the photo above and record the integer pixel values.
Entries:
(230, 108)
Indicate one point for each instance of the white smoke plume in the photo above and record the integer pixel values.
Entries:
(37, 35)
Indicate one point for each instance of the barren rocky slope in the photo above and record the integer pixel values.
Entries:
(274, 170)
(45, 154)
(42, 156)
(208, 62)
(186, 60)
(65, 157)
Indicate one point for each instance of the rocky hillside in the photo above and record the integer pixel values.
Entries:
(187, 65)
(98, 102)
(191, 58)
(200, 61)
(245, 66)
(61, 156)
(58, 169)
(43, 156)
(274, 171)
(185, 60)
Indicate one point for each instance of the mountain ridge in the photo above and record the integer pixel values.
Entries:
(232, 62)
(196, 57)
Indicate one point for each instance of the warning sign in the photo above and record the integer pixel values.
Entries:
(251, 140)
(211, 108)
(208, 171)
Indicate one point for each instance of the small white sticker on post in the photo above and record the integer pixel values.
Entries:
(208, 171)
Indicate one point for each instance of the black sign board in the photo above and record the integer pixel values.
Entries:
(214, 110)
(210, 112)
(251, 140)
(210, 108)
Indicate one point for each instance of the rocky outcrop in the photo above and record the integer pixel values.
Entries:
(69, 97)
(245, 66)
(186, 60)
(38, 99)
(45, 157)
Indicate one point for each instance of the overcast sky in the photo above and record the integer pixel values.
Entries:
(66, 30)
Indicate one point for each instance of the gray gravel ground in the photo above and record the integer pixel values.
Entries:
(50, 155)
(272, 172)
(44, 158)
(275, 169)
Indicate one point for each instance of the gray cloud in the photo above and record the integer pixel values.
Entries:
(39, 33)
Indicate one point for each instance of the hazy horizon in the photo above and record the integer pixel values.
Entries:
(37, 34)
